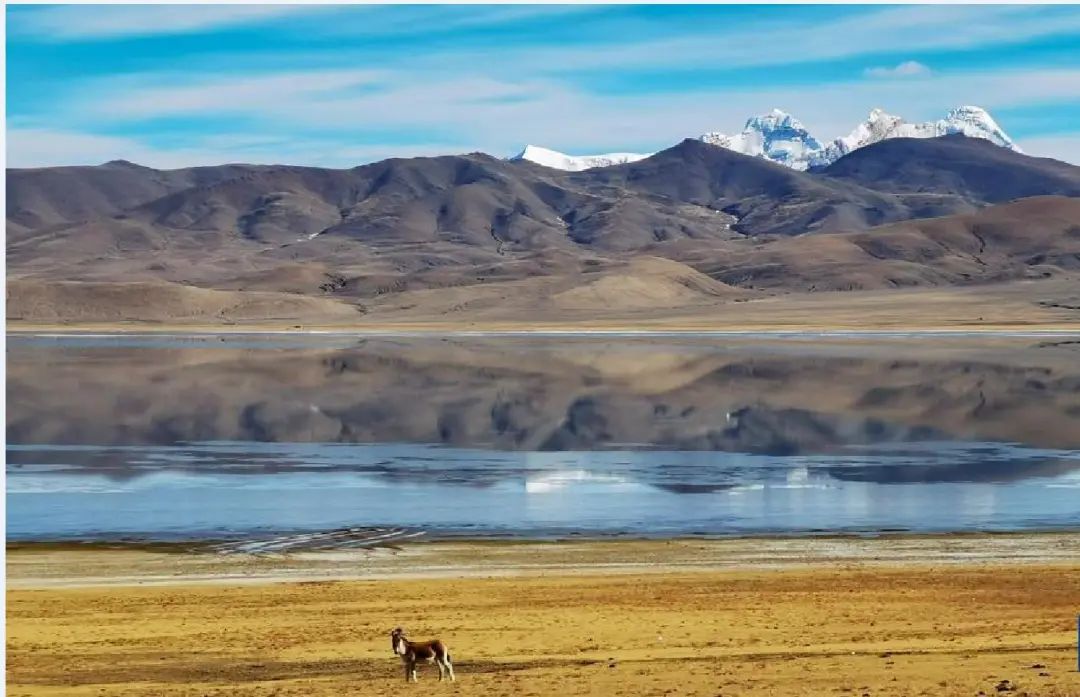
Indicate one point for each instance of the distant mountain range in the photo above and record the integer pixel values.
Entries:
(694, 226)
(781, 138)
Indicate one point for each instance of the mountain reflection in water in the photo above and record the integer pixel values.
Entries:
(609, 433)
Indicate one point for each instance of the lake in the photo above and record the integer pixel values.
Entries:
(236, 436)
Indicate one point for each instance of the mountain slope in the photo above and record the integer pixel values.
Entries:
(646, 282)
(971, 168)
(52, 302)
(766, 198)
(1032, 238)
(474, 204)
(62, 195)
(399, 216)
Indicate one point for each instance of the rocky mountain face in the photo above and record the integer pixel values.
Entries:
(781, 138)
(974, 169)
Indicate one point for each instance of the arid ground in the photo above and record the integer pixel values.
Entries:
(953, 615)
(1021, 306)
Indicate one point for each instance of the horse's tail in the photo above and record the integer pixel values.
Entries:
(448, 659)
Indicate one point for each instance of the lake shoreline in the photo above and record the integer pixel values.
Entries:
(204, 543)
(46, 565)
(570, 329)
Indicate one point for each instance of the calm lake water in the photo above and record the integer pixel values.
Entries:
(205, 436)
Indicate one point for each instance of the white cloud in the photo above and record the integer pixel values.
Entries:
(901, 70)
(60, 22)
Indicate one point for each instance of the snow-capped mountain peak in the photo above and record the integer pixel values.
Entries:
(776, 136)
(970, 121)
(976, 122)
(879, 125)
(575, 163)
(780, 137)
(776, 119)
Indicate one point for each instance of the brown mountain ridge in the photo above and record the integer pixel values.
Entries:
(719, 227)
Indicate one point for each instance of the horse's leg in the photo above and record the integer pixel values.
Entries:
(439, 665)
(449, 668)
(408, 670)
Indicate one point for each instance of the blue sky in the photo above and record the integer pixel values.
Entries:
(174, 85)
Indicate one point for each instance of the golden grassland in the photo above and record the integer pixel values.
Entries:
(892, 616)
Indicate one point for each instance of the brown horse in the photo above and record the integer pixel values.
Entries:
(412, 652)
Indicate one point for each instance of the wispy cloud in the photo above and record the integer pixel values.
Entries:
(144, 95)
(61, 22)
(43, 147)
(333, 89)
(906, 29)
(97, 22)
(35, 147)
(410, 20)
(505, 113)
(901, 70)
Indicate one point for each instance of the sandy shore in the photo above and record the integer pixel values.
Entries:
(944, 615)
(67, 565)
(599, 328)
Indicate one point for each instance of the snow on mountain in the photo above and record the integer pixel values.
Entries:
(971, 121)
(781, 138)
(575, 163)
(776, 136)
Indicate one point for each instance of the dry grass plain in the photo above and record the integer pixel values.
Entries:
(845, 624)
(612, 303)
